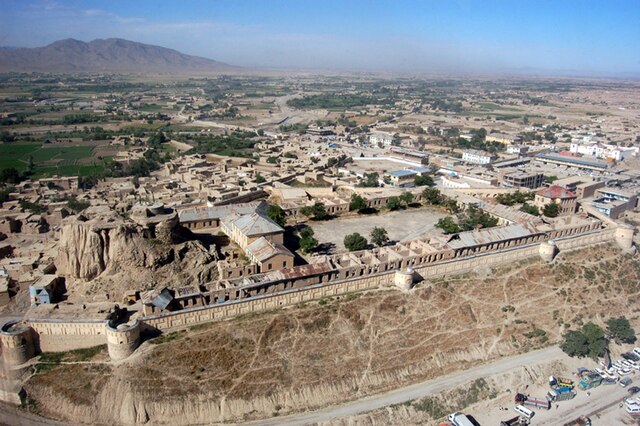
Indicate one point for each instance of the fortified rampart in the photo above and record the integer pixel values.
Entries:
(20, 341)
(171, 321)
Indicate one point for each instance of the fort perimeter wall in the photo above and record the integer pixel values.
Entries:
(172, 321)
(55, 335)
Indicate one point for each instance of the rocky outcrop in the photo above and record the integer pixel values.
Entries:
(87, 249)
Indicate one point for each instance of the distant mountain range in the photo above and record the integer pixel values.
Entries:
(110, 55)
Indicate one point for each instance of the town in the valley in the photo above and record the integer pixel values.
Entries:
(204, 243)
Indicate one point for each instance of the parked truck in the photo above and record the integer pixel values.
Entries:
(516, 421)
(590, 380)
(562, 382)
(532, 402)
(459, 419)
(561, 394)
(580, 421)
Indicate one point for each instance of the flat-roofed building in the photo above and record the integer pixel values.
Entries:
(381, 138)
(520, 179)
(613, 202)
(401, 178)
(478, 157)
(570, 161)
(502, 138)
(517, 149)
(582, 186)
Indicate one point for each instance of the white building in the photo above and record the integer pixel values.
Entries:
(477, 157)
(381, 138)
(601, 150)
(517, 149)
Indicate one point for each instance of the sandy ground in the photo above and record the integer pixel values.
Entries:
(602, 406)
(401, 225)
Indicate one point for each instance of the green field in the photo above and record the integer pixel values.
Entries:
(50, 160)
(496, 107)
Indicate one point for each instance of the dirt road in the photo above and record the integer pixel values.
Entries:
(417, 390)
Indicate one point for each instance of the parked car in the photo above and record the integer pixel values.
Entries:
(625, 382)
(633, 390)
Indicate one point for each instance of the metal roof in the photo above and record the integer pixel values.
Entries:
(263, 249)
(284, 274)
(577, 161)
(490, 235)
(256, 224)
(402, 173)
(160, 298)
(555, 191)
(207, 212)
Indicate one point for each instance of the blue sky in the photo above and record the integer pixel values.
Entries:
(463, 36)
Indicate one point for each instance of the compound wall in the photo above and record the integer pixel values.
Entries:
(173, 321)
(61, 335)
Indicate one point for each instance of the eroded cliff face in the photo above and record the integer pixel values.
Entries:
(117, 255)
(87, 249)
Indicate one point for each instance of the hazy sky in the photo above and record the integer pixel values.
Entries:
(402, 35)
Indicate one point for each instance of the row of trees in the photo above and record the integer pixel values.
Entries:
(355, 241)
(470, 219)
(591, 340)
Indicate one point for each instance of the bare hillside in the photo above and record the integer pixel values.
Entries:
(335, 350)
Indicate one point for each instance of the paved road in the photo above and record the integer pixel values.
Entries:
(14, 416)
(418, 390)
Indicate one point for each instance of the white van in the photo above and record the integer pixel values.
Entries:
(524, 411)
(633, 409)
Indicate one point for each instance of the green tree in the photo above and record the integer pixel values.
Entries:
(317, 211)
(575, 343)
(528, 208)
(276, 214)
(379, 236)
(589, 341)
(448, 225)
(30, 165)
(260, 178)
(450, 205)
(551, 210)
(272, 160)
(4, 194)
(308, 243)
(34, 208)
(433, 196)
(370, 180)
(355, 241)
(394, 203)
(357, 203)
(77, 205)
(595, 337)
(10, 175)
(620, 330)
(424, 180)
(406, 197)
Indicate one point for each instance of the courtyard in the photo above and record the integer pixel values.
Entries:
(402, 225)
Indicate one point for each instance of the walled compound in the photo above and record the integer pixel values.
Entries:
(401, 265)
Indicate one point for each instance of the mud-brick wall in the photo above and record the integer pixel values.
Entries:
(59, 336)
(460, 266)
(581, 241)
(169, 321)
(172, 321)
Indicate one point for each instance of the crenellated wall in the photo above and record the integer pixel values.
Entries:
(64, 335)
(175, 320)
(54, 335)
